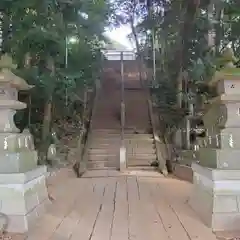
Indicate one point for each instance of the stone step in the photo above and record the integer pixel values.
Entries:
(113, 133)
(107, 131)
(142, 156)
(138, 139)
(140, 147)
(140, 151)
(113, 160)
(112, 151)
(138, 132)
(116, 143)
(140, 144)
(140, 163)
(109, 124)
(105, 136)
(128, 143)
(131, 131)
(104, 146)
(114, 122)
(104, 143)
(109, 113)
(105, 125)
(108, 116)
(103, 157)
(107, 155)
(144, 150)
(145, 135)
(143, 168)
(102, 154)
(103, 150)
(101, 165)
(112, 141)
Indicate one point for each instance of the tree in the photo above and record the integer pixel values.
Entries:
(131, 12)
(190, 35)
(43, 36)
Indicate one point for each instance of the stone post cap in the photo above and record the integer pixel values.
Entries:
(7, 77)
(229, 70)
(228, 56)
(6, 62)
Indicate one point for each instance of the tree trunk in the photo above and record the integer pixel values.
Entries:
(5, 32)
(180, 89)
(139, 55)
(218, 28)
(47, 119)
(27, 60)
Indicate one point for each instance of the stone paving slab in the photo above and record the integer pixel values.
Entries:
(121, 207)
(115, 173)
(229, 235)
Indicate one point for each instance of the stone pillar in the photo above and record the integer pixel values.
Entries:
(23, 192)
(216, 179)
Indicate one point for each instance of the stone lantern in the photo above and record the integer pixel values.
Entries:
(216, 179)
(23, 192)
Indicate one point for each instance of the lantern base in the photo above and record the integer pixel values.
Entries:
(219, 158)
(24, 198)
(18, 162)
(215, 197)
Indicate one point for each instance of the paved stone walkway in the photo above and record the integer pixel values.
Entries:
(119, 207)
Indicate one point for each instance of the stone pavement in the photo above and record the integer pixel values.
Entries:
(118, 207)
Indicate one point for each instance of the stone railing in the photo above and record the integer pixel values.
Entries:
(122, 150)
(159, 143)
(81, 155)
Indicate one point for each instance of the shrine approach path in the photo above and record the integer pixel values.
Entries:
(107, 205)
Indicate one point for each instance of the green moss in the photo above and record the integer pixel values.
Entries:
(232, 71)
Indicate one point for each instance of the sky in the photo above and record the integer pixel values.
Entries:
(120, 35)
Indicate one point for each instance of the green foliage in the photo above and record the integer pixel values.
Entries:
(66, 32)
(187, 52)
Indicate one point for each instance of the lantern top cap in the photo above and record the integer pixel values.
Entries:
(7, 77)
(6, 62)
(229, 70)
(228, 58)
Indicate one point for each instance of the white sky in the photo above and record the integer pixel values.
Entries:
(120, 35)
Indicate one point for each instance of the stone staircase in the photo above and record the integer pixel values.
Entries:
(139, 141)
(104, 142)
(141, 151)
(105, 137)
(103, 151)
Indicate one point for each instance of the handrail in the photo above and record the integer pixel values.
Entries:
(80, 165)
(122, 101)
(122, 122)
(122, 150)
(158, 142)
